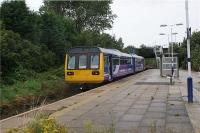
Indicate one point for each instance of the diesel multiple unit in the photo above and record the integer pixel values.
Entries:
(96, 65)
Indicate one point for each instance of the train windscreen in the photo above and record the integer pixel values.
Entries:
(71, 62)
(94, 61)
(83, 61)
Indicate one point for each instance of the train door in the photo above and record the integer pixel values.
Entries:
(133, 60)
(110, 67)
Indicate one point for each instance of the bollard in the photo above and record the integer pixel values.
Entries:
(190, 89)
(170, 80)
(172, 73)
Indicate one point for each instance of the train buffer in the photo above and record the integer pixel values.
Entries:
(138, 103)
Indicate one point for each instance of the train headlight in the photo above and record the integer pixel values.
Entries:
(95, 73)
(70, 73)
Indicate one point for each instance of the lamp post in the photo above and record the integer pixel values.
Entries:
(189, 79)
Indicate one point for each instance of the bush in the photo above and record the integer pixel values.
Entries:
(150, 63)
(37, 84)
(43, 125)
(196, 59)
(20, 57)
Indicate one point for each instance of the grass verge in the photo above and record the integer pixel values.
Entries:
(23, 95)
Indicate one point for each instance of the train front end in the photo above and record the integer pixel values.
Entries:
(84, 65)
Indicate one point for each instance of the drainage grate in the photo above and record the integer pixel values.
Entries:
(152, 83)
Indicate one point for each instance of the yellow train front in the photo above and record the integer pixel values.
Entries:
(84, 65)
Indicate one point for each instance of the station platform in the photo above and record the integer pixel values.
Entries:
(140, 103)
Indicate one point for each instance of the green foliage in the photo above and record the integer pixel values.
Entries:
(17, 17)
(88, 15)
(195, 40)
(19, 57)
(195, 50)
(196, 59)
(129, 49)
(150, 63)
(146, 52)
(90, 38)
(41, 125)
(56, 33)
(40, 85)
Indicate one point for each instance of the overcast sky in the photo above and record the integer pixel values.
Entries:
(139, 21)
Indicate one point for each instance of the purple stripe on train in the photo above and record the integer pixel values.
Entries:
(118, 70)
(122, 70)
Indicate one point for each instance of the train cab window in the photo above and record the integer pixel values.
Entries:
(82, 61)
(71, 62)
(106, 62)
(94, 61)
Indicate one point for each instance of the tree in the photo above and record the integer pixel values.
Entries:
(195, 50)
(88, 15)
(119, 44)
(17, 17)
(146, 52)
(196, 59)
(129, 49)
(56, 33)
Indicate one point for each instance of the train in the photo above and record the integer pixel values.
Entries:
(91, 65)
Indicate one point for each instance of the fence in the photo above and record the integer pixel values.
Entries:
(167, 64)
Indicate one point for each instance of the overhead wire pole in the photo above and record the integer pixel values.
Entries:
(177, 67)
(172, 51)
(189, 79)
(168, 43)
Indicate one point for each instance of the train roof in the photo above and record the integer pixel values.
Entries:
(114, 52)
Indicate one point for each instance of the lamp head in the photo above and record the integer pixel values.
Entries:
(175, 33)
(179, 24)
(163, 25)
(162, 34)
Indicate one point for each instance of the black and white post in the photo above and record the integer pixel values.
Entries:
(189, 79)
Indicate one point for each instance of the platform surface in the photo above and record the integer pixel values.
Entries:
(140, 103)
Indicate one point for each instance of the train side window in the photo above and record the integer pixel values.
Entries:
(129, 61)
(125, 61)
(115, 61)
(94, 61)
(71, 62)
(82, 62)
(121, 61)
